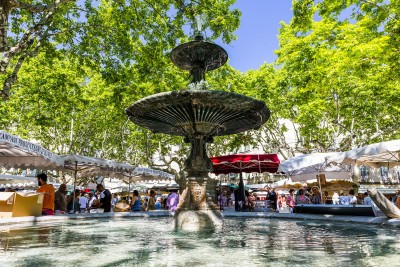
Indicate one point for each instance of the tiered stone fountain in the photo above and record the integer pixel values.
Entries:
(198, 114)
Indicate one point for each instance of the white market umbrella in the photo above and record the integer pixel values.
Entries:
(306, 163)
(90, 166)
(147, 174)
(19, 153)
(376, 155)
(307, 167)
(144, 175)
(331, 172)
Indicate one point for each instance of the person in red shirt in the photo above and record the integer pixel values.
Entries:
(49, 193)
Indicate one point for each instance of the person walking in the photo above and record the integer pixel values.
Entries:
(49, 194)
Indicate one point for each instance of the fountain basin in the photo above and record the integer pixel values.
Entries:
(154, 241)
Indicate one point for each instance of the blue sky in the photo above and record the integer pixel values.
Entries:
(257, 33)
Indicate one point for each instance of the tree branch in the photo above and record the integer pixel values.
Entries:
(38, 8)
(11, 79)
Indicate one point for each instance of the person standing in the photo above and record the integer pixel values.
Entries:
(236, 199)
(49, 194)
(92, 198)
(302, 198)
(316, 195)
(83, 202)
(290, 200)
(172, 201)
(335, 198)
(327, 199)
(136, 201)
(60, 202)
(73, 202)
(272, 198)
(367, 199)
(158, 204)
(114, 201)
(152, 201)
(352, 198)
(398, 199)
(105, 198)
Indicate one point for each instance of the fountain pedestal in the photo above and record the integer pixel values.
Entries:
(195, 210)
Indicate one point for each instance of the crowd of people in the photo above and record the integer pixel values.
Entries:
(304, 195)
(102, 199)
(61, 201)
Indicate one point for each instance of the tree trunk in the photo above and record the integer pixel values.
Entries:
(384, 204)
(4, 11)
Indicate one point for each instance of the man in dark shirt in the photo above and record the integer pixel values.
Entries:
(105, 198)
(272, 197)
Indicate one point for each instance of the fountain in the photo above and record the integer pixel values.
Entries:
(198, 114)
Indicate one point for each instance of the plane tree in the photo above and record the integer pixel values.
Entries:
(340, 63)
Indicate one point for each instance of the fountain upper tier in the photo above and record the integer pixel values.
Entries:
(198, 57)
(198, 113)
(195, 113)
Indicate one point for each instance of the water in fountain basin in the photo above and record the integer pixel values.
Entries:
(155, 242)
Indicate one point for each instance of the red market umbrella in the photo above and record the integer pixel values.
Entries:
(248, 163)
(245, 163)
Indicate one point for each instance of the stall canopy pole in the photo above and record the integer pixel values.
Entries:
(220, 195)
(75, 173)
(320, 186)
(129, 187)
(241, 186)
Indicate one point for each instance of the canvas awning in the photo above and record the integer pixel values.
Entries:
(16, 152)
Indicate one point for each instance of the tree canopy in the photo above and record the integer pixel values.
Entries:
(69, 69)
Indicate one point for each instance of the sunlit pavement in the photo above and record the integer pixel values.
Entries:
(31, 220)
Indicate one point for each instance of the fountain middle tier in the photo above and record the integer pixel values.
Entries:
(197, 113)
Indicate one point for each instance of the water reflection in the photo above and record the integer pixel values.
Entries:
(154, 242)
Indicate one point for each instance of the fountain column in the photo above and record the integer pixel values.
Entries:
(195, 211)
